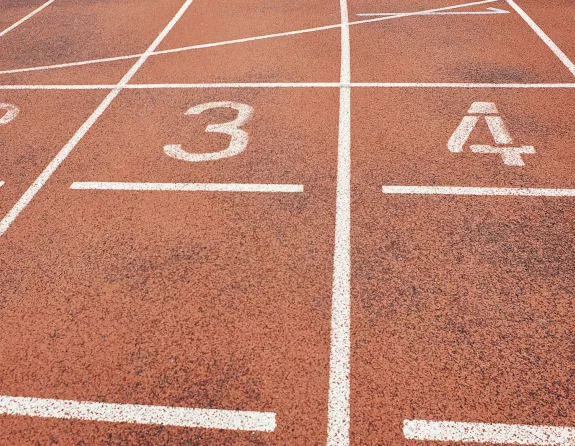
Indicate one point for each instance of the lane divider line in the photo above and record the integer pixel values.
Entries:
(73, 142)
(243, 40)
(285, 85)
(188, 187)
(340, 342)
(552, 46)
(23, 19)
(491, 433)
(487, 191)
(138, 414)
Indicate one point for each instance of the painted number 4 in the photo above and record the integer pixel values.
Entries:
(7, 113)
(511, 156)
(239, 139)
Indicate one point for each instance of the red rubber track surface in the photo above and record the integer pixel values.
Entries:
(461, 306)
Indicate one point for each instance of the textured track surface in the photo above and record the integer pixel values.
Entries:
(458, 309)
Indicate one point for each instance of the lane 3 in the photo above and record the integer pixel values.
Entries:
(212, 300)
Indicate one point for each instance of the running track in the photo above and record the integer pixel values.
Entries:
(282, 222)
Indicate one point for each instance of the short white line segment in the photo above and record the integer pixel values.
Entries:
(188, 187)
(488, 191)
(23, 19)
(488, 433)
(243, 40)
(67, 149)
(139, 414)
(339, 365)
(552, 46)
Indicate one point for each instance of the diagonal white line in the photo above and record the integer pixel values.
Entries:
(490, 11)
(552, 46)
(231, 42)
(67, 149)
(23, 19)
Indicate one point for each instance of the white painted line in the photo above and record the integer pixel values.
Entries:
(339, 363)
(188, 187)
(456, 85)
(67, 149)
(488, 191)
(70, 64)
(139, 414)
(243, 40)
(2, 183)
(490, 11)
(23, 19)
(488, 433)
(283, 85)
(58, 87)
(242, 85)
(552, 46)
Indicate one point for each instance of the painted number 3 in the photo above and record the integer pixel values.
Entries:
(239, 139)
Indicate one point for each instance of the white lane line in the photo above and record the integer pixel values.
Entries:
(552, 46)
(488, 191)
(339, 362)
(190, 187)
(243, 40)
(490, 11)
(139, 414)
(285, 85)
(67, 149)
(457, 85)
(488, 433)
(23, 19)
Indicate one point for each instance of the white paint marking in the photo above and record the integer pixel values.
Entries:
(456, 85)
(488, 433)
(139, 414)
(490, 11)
(552, 46)
(339, 364)
(187, 187)
(461, 134)
(511, 155)
(11, 111)
(285, 85)
(498, 129)
(67, 149)
(483, 108)
(238, 142)
(2, 183)
(23, 19)
(243, 40)
(487, 191)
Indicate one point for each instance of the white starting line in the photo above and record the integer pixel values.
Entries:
(488, 433)
(187, 187)
(488, 191)
(139, 414)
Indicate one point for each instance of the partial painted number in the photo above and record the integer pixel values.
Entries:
(7, 113)
(239, 139)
